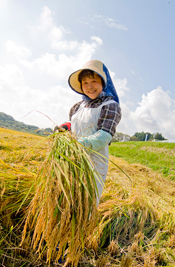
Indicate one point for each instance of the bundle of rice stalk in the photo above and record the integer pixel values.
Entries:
(63, 212)
(125, 210)
(15, 182)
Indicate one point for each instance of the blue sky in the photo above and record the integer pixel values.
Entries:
(43, 42)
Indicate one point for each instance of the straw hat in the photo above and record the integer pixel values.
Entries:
(94, 65)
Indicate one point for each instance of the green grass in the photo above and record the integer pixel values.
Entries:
(158, 156)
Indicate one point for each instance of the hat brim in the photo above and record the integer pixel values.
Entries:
(74, 82)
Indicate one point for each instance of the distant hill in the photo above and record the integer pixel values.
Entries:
(7, 121)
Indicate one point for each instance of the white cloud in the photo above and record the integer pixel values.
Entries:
(2, 3)
(86, 50)
(18, 100)
(55, 104)
(125, 126)
(40, 82)
(120, 85)
(111, 23)
(56, 34)
(154, 109)
(11, 75)
(97, 39)
(96, 20)
(16, 51)
(155, 113)
(46, 20)
(47, 29)
(59, 68)
(64, 45)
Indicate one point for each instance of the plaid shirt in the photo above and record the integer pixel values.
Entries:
(110, 113)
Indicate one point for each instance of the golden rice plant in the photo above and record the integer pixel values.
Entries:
(138, 217)
(102, 261)
(126, 261)
(18, 166)
(126, 210)
(15, 182)
(63, 212)
(135, 216)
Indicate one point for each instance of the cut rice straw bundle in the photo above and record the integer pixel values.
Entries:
(124, 210)
(63, 212)
(15, 182)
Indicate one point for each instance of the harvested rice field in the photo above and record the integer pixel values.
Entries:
(47, 205)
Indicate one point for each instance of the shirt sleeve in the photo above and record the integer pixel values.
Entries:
(109, 118)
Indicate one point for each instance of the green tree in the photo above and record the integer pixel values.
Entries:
(159, 136)
(141, 136)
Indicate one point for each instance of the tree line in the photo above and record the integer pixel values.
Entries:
(146, 136)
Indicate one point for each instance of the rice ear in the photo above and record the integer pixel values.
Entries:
(64, 203)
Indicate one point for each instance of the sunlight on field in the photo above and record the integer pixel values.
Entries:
(136, 219)
(158, 156)
(15, 145)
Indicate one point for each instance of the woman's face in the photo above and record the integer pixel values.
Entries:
(92, 86)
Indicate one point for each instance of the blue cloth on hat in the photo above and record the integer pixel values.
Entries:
(108, 89)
